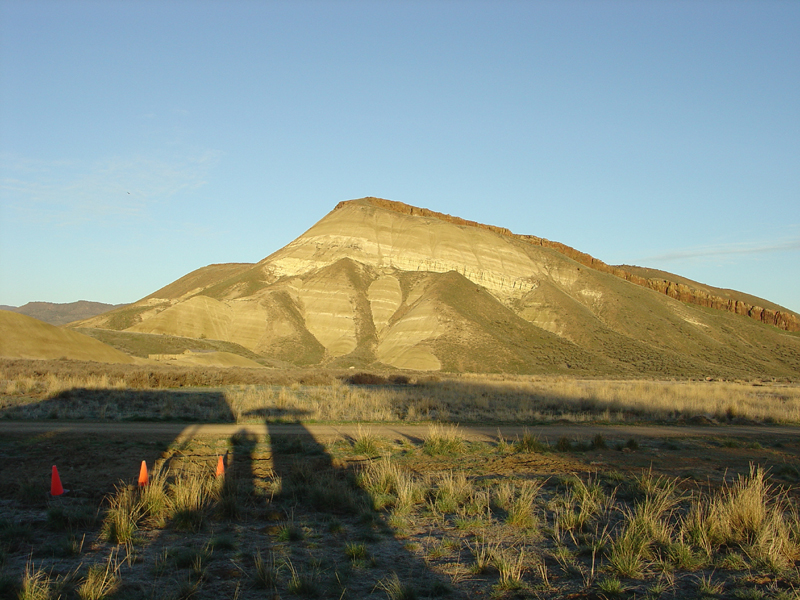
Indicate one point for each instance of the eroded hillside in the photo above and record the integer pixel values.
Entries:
(376, 282)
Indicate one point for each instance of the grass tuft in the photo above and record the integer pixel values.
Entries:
(265, 570)
(122, 517)
(397, 590)
(443, 439)
(101, 581)
(36, 584)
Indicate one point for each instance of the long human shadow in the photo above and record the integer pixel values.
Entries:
(293, 476)
(314, 488)
(91, 465)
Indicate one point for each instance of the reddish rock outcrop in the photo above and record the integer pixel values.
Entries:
(782, 319)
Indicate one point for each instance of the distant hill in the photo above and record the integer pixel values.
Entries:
(380, 283)
(61, 314)
(22, 336)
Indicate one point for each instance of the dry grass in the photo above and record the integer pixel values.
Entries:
(433, 520)
(100, 582)
(123, 515)
(36, 584)
(444, 439)
(33, 389)
(751, 515)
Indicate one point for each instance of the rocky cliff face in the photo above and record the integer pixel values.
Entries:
(782, 319)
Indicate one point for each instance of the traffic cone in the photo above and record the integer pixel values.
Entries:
(55, 483)
(220, 467)
(143, 478)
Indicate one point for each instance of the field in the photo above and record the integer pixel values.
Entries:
(348, 485)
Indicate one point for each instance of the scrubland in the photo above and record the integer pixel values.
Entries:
(367, 517)
(36, 389)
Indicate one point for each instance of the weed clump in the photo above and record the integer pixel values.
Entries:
(265, 570)
(529, 443)
(443, 440)
(366, 442)
(122, 517)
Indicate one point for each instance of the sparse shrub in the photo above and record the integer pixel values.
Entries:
(154, 500)
(36, 584)
(503, 447)
(451, 491)
(290, 532)
(366, 379)
(188, 557)
(733, 561)
(222, 542)
(684, 557)
(30, 493)
(226, 493)
(334, 493)
(189, 586)
(753, 593)
(379, 479)
(581, 504)
(57, 519)
(626, 557)
(706, 586)
(750, 515)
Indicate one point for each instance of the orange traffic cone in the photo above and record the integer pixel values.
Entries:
(55, 483)
(220, 467)
(143, 478)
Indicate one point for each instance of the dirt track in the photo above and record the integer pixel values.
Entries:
(395, 431)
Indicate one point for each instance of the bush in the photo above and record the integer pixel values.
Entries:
(366, 379)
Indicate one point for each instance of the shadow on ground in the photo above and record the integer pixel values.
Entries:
(285, 498)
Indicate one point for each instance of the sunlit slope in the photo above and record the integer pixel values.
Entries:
(368, 285)
(25, 337)
(385, 239)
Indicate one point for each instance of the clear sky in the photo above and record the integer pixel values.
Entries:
(140, 140)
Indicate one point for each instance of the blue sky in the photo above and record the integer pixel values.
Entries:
(141, 140)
